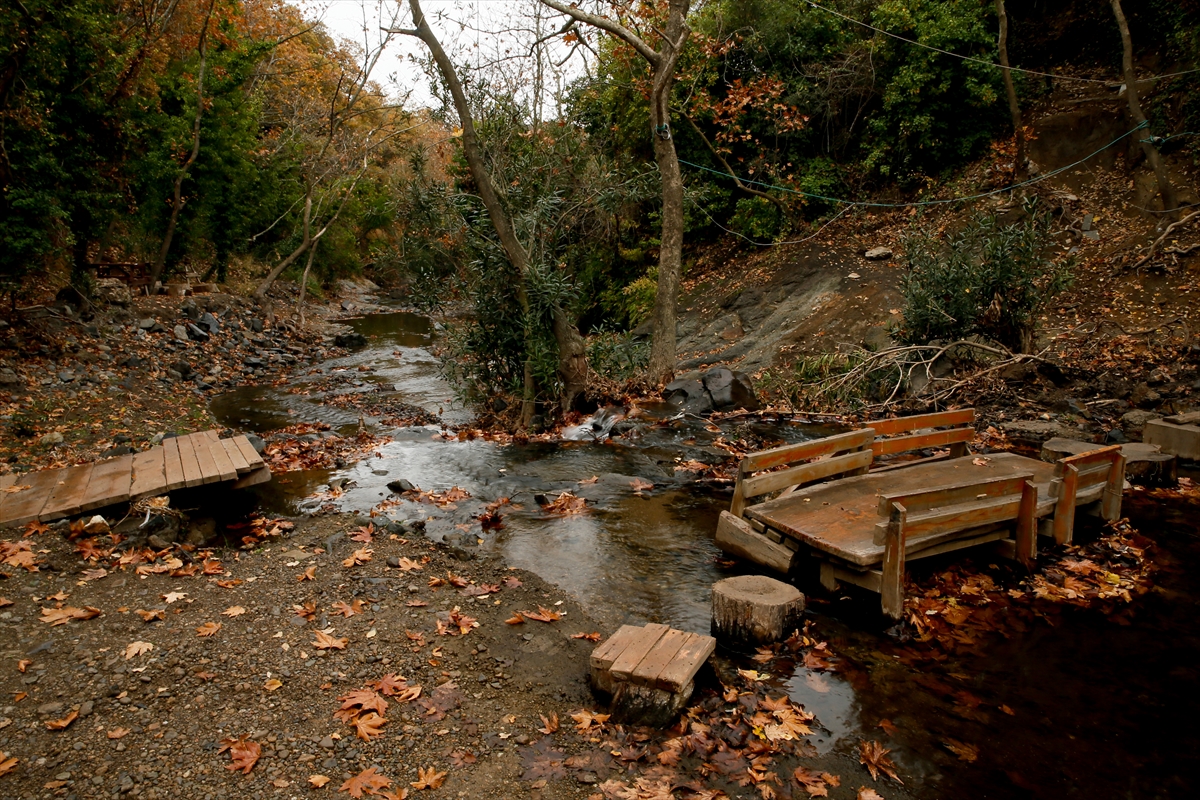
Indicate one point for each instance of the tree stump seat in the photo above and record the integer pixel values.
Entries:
(755, 609)
(649, 671)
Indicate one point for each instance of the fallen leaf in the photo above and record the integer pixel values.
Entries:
(368, 781)
(866, 793)
(208, 629)
(369, 725)
(428, 778)
(550, 725)
(243, 751)
(512, 582)
(318, 780)
(515, 619)
(591, 637)
(544, 614)
(23, 665)
(585, 719)
(61, 616)
(408, 565)
(326, 642)
(347, 609)
(7, 763)
(150, 616)
(4, 601)
(359, 556)
(137, 648)
(62, 724)
(172, 597)
(873, 755)
(118, 733)
(309, 574)
(640, 486)
(233, 611)
(273, 684)
(965, 752)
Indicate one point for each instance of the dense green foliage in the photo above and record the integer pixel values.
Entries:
(991, 279)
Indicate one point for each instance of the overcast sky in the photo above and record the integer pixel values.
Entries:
(475, 29)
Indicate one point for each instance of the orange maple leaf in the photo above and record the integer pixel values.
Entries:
(326, 642)
(244, 752)
(429, 778)
(369, 725)
(368, 781)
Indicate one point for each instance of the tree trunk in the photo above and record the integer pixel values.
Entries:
(312, 251)
(572, 365)
(1020, 173)
(177, 198)
(670, 251)
(1135, 109)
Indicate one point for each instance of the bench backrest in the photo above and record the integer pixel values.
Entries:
(959, 428)
(805, 462)
(955, 507)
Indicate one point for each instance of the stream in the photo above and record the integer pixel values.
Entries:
(1080, 705)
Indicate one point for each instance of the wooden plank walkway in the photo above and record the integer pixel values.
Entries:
(193, 460)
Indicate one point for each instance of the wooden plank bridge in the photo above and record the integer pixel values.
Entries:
(862, 520)
(180, 462)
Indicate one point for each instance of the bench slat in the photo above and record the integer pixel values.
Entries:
(624, 664)
(805, 473)
(606, 653)
(939, 419)
(953, 494)
(919, 441)
(665, 649)
(687, 662)
(787, 454)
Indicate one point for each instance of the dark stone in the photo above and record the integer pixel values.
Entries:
(1070, 405)
(183, 368)
(257, 443)
(256, 325)
(196, 333)
(210, 322)
(132, 361)
(350, 341)
(689, 396)
(254, 363)
(119, 450)
(1115, 436)
(400, 486)
(499, 404)
(190, 310)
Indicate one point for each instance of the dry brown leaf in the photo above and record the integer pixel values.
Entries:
(965, 752)
(515, 619)
(208, 629)
(348, 609)
(273, 684)
(867, 793)
(62, 724)
(585, 719)
(873, 755)
(150, 616)
(359, 556)
(326, 642)
(172, 597)
(550, 725)
(368, 725)
(591, 637)
(543, 614)
(118, 733)
(429, 778)
(369, 781)
(309, 574)
(408, 565)
(243, 751)
(233, 611)
(7, 763)
(318, 780)
(61, 616)
(137, 648)
(23, 665)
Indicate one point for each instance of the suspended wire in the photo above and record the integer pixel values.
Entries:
(918, 203)
(983, 61)
(743, 236)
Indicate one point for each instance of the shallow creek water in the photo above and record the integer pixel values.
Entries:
(1099, 709)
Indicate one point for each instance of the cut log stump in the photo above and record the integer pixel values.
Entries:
(649, 671)
(755, 609)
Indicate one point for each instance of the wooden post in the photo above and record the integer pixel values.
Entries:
(739, 497)
(755, 609)
(1027, 526)
(958, 449)
(1064, 509)
(1110, 506)
(892, 590)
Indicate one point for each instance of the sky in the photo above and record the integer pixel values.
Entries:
(466, 28)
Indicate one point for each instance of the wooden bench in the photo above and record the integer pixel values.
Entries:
(1076, 477)
(649, 671)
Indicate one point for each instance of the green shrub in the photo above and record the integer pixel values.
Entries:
(990, 279)
(615, 355)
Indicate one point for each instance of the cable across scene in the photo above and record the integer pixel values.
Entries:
(870, 204)
(983, 61)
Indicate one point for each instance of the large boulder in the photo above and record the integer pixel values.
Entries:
(689, 396)
(113, 291)
(350, 341)
(729, 389)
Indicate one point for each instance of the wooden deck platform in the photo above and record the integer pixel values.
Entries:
(193, 460)
(841, 518)
(649, 670)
